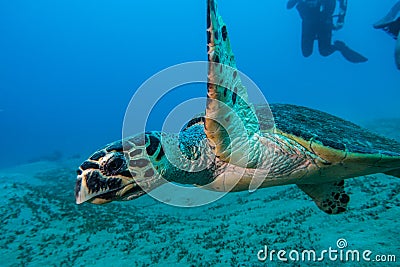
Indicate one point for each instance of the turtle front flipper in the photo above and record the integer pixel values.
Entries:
(329, 197)
(230, 122)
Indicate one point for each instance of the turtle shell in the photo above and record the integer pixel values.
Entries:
(325, 129)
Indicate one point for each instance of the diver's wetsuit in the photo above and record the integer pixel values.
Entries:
(317, 24)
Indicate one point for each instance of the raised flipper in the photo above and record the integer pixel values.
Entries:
(231, 124)
(329, 197)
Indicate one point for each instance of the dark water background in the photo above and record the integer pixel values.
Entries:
(69, 68)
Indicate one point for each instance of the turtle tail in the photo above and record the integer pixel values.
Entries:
(395, 173)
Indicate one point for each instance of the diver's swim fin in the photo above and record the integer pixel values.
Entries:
(348, 53)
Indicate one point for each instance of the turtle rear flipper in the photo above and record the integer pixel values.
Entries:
(329, 197)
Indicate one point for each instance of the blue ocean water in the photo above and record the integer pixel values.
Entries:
(68, 70)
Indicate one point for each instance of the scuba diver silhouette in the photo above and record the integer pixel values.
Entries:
(391, 24)
(318, 24)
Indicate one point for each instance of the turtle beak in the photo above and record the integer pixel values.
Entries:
(91, 186)
(88, 186)
(82, 192)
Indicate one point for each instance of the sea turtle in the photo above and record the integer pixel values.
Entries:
(237, 142)
(391, 24)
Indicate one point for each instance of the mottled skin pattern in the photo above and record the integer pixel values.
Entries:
(235, 142)
(125, 170)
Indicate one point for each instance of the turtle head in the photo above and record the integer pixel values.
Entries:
(119, 171)
(105, 177)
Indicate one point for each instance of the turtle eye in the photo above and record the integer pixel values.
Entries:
(114, 164)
